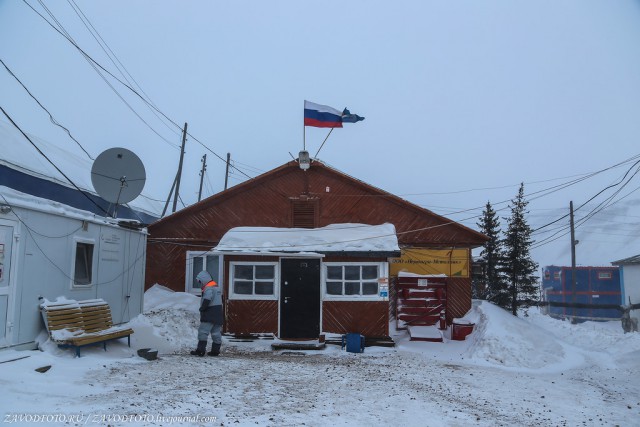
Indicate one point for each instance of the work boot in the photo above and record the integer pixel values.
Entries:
(215, 349)
(200, 350)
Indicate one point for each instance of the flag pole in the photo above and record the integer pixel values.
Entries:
(304, 133)
(325, 140)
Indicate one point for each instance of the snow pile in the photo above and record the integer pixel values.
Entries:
(169, 322)
(159, 297)
(504, 340)
(535, 343)
(601, 336)
(335, 237)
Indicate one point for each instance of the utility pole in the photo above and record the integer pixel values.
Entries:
(573, 258)
(175, 195)
(204, 168)
(166, 205)
(226, 175)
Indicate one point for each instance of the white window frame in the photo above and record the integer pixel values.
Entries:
(188, 276)
(382, 280)
(94, 255)
(276, 281)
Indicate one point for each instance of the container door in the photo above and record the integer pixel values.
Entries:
(299, 298)
(6, 239)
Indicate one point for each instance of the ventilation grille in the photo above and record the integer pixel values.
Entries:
(304, 214)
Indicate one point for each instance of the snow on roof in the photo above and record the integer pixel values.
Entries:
(19, 199)
(332, 238)
(27, 201)
(19, 154)
(631, 260)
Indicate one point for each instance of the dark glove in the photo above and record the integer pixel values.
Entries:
(204, 305)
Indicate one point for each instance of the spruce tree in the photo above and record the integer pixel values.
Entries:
(517, 265)
(493, 284)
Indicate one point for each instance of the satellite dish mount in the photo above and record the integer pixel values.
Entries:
(118, 176)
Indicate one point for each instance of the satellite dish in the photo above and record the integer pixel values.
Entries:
(118, 175)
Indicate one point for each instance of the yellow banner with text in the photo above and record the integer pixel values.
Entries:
(452, 262)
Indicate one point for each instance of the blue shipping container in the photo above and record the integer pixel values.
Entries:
(594, 285)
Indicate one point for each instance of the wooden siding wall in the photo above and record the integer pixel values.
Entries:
(244, 317)
(458, 298)
(369, 318)
(166, 265)
(266, 202)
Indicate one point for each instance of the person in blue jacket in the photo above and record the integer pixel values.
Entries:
(210, 315)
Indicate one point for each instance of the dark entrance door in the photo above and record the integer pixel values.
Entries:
(299, 298)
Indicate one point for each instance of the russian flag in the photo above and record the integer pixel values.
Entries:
(321, 116)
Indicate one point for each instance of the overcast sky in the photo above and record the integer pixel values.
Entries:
(463, 100)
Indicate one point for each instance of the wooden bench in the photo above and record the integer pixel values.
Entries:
(77, 324)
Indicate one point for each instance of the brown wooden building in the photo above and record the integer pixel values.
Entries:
(297, 283)
(180, 245)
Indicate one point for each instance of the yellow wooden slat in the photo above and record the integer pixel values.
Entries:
(93, 317)
(97, 337)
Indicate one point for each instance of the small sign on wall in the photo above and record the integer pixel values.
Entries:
(384, 292)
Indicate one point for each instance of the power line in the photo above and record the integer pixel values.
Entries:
(95, 66)
(53, 120)
(113, 58)
(608, 202)
(94, 62)
(598, 193)
(216, 154)
(602, 205)
(50, 161)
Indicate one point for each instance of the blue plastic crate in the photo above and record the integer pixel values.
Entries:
(354, 342)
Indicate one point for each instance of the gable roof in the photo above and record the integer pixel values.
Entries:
(631, 260)
(344, 198)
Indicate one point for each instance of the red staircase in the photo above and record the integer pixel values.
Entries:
(420, 305)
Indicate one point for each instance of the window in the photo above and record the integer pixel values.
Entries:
(557, 275)
(352, 280)
(198, 261)
(605, 275)
(83, 264)
(253, 280)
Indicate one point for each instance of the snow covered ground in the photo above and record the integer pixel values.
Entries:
(509, 372)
